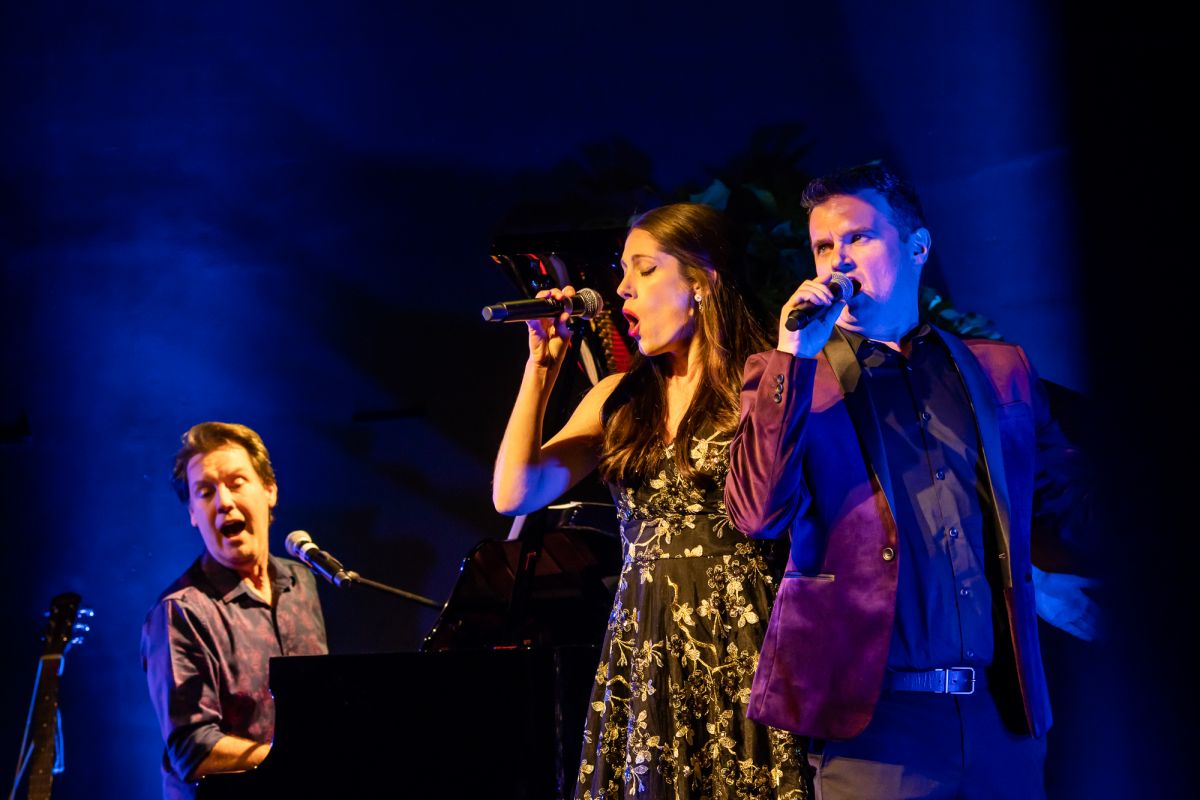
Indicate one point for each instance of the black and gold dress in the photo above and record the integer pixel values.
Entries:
(668, 709)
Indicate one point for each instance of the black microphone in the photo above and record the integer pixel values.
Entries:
(806, 312)
(301, 545)
(586, 304)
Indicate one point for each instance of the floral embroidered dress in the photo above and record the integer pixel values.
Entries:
(668, 709)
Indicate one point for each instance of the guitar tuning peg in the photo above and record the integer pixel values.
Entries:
(77, 640)
(86, 612)
(81, 628)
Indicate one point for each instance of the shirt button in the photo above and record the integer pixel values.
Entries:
(964, 591)
(908, 367)
(888, 554)
(970, 654)
(954, 533)
(925, 416)
(940, 474)
(779, 379)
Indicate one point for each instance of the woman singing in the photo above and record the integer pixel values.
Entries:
(667, 715)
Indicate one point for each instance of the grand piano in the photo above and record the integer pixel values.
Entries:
(493, 704)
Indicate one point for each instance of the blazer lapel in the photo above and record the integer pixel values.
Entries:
(983, 403)
(858, 403)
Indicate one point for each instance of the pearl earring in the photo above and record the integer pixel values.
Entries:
(699, 298)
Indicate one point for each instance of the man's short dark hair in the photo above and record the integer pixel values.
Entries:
(907, 214)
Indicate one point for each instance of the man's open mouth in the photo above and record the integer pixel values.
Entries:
(233, 527)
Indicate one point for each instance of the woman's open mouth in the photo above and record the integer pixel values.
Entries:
(634, 324)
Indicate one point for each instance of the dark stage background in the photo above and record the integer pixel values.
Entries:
(281, 214)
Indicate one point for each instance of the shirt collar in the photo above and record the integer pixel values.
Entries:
(230, 585)
(862, 346)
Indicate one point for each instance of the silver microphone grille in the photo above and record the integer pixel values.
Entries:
(296, 541)
(844, 284)
(591, 301)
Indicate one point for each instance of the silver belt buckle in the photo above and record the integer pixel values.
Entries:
(947, 690)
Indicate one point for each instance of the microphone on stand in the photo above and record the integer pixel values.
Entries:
(585, 304)
(839, 285)
(301, 545)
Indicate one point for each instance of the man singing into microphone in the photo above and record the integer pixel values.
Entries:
(207, 641)
(912, 470)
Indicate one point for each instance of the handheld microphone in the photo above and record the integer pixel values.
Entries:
(586, 304)
(806, 312)
(301, 546)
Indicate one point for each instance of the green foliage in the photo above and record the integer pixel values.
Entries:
(967, 324)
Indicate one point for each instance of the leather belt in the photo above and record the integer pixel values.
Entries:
(953, 680)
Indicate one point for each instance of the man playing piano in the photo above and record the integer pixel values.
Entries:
(208, 639)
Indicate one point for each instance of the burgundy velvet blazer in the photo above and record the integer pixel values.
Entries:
(808, 458)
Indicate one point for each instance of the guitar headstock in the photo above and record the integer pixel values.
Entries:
(66, 624)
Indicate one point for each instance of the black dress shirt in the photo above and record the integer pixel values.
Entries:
(941, 503)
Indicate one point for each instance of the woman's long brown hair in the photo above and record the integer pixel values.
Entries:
(635, 415)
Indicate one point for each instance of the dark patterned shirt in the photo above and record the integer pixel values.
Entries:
(206, 645)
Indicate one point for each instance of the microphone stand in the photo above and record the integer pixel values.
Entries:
(353, 577)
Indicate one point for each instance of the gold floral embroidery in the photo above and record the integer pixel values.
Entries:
(681, 647)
